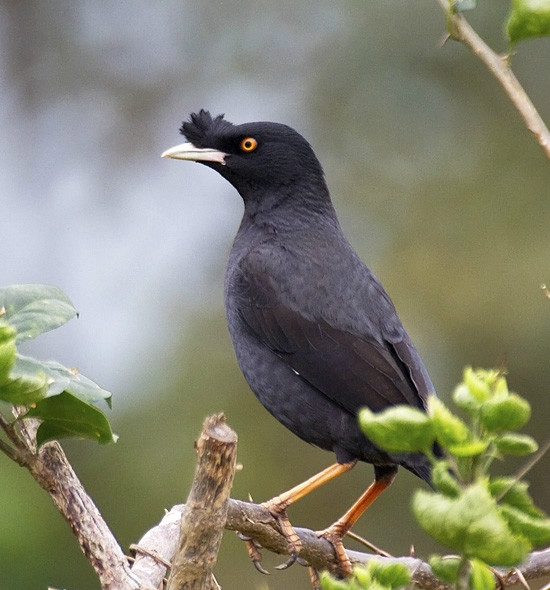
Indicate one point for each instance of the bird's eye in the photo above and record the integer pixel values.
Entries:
(248, 144)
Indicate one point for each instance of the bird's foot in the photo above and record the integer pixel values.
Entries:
(333, 534)
(293, 543)
(253, 549)
(278, 512)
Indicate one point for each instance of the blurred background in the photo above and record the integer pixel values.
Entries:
(438, 184)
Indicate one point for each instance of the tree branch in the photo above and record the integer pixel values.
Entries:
(208, 510)
(256, 522)
(205, 512)
(51, 469)
(53, 472)
(460, 30)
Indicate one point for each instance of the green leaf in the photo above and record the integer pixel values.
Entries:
(65, 415)
(471, 448)
(448, 428)
(443, 481)
(7, 351)
(512, 443)
(362, 573)
(61, 379)
(464, 399)
(391, 575)
(24, 390)
(24, 386)
(479, 382)
(481, 576)
(400, 429)
(505, 412)
(470, 524)
(445, 568)
(330, 583)
(528, 18)
(508, 490)
(32, 380)
(34, 309)
(536, 529)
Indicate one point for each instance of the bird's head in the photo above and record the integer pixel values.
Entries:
(261, 160)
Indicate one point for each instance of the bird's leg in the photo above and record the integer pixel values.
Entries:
(314, 578)
(277, 506)
(336, 531)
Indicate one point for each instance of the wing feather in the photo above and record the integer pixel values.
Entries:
(352, 368)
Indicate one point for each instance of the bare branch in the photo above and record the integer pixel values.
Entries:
(51, 469)
(205, 513)
(460, 30)
(53, 472)
(156, 549)
(254, 521)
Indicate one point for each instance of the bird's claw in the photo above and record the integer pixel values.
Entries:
(286, 564)
(253, 552)
(294, 558)
(258, 565)
(294, 544)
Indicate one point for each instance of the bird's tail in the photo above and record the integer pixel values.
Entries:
(421, 466)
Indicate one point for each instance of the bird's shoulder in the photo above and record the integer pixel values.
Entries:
(314, 277)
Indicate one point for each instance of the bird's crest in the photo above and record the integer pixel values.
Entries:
(202, 128)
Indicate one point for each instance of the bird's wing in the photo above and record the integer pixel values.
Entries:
(352, 368)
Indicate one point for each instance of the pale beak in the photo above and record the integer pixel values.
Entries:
(188, 151)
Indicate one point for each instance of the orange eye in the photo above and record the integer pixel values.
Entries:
(248, 144)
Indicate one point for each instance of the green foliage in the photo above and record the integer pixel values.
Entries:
(486, 521)
(481, 577)
(527, 19)
(34, 309)
(65, 415)
(60, 397)
(385, 428)
(446, 568)
(471, 524)
(376, 575)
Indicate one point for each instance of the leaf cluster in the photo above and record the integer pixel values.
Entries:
(376, 575)
(486, 521)
(60, 397)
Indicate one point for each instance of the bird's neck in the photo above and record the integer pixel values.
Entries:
(289, 206)
(287, 219)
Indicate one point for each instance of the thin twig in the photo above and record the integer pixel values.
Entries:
(461, 30)
(12, 453)
(11, 432)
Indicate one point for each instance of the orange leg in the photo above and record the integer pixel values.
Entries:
(336, 531)
(277, 506)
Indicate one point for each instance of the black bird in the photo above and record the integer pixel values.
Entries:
(315, 333)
